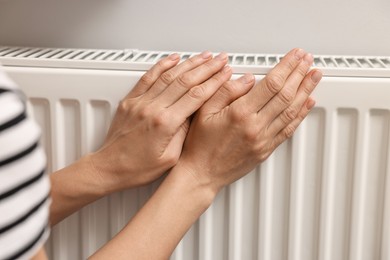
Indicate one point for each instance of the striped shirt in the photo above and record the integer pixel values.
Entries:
(24, 186)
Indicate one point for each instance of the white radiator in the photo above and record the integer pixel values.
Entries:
(325, 194)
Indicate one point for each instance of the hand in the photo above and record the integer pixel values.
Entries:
(242, 124)
(147, 133)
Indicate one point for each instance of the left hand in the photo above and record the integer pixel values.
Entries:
(147, 133)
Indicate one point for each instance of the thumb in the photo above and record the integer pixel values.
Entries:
(177, 141)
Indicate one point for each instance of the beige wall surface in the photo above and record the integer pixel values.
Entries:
(342, 27)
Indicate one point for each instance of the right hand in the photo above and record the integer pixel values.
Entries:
(242, 124)
(147, 133)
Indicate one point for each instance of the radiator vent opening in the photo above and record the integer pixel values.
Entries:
(272, 61)
(260, 61)
(250, 61)
(386, 62)
(131, 59)
(37, 54)
(353, 63)
(342, 62)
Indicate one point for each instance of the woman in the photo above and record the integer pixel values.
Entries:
(235, 125)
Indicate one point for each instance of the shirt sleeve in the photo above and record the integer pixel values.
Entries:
(24, 185)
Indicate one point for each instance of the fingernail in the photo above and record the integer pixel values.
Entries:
(310, 104)
(206, 54)
(316, 76)
(248, 78)
(308, 58)
(221, 56)
(226, 69)
(299, 54)
(174, 56)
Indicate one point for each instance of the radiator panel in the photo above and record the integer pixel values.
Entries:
(324, 194)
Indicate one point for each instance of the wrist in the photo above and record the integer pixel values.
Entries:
(99, 176)
(89, 179)
(189, 176)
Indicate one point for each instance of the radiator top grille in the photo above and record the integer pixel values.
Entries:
(142, 60)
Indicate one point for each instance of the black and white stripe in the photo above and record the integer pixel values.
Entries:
(39, 239)
(13, 121)
(24, 186)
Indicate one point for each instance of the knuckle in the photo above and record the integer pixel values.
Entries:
(286, 96)
(307, 90)
(274, 83)
(144, 113)
(167, 77)
(197, 92)
(289, 131)
(290, 114)
(216, 80)
(258, 148)
(123, 106)
(211, 65)
(160, 64)
(171, 159)
(302, 70)
(184, 79)
(301, 116)
(229, 86)
(159, 119)
(250, 135)
(147, 79)
(228, 89)
(291, 63)
(263, 156)
(307, 86)
(237, 115)
(192, 61)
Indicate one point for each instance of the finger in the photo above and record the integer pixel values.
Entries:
(287, 95)
(169, 76)
(198, 95)
(273, 82)
(290, 113)
(229, 92)
(152, 75)
(187, 80)
(176, 144)
(289, 130)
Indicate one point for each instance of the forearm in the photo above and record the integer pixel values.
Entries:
(140, 130)
(157, 228)
(73, 187)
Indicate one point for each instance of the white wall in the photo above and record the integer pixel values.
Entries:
(350, 27)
